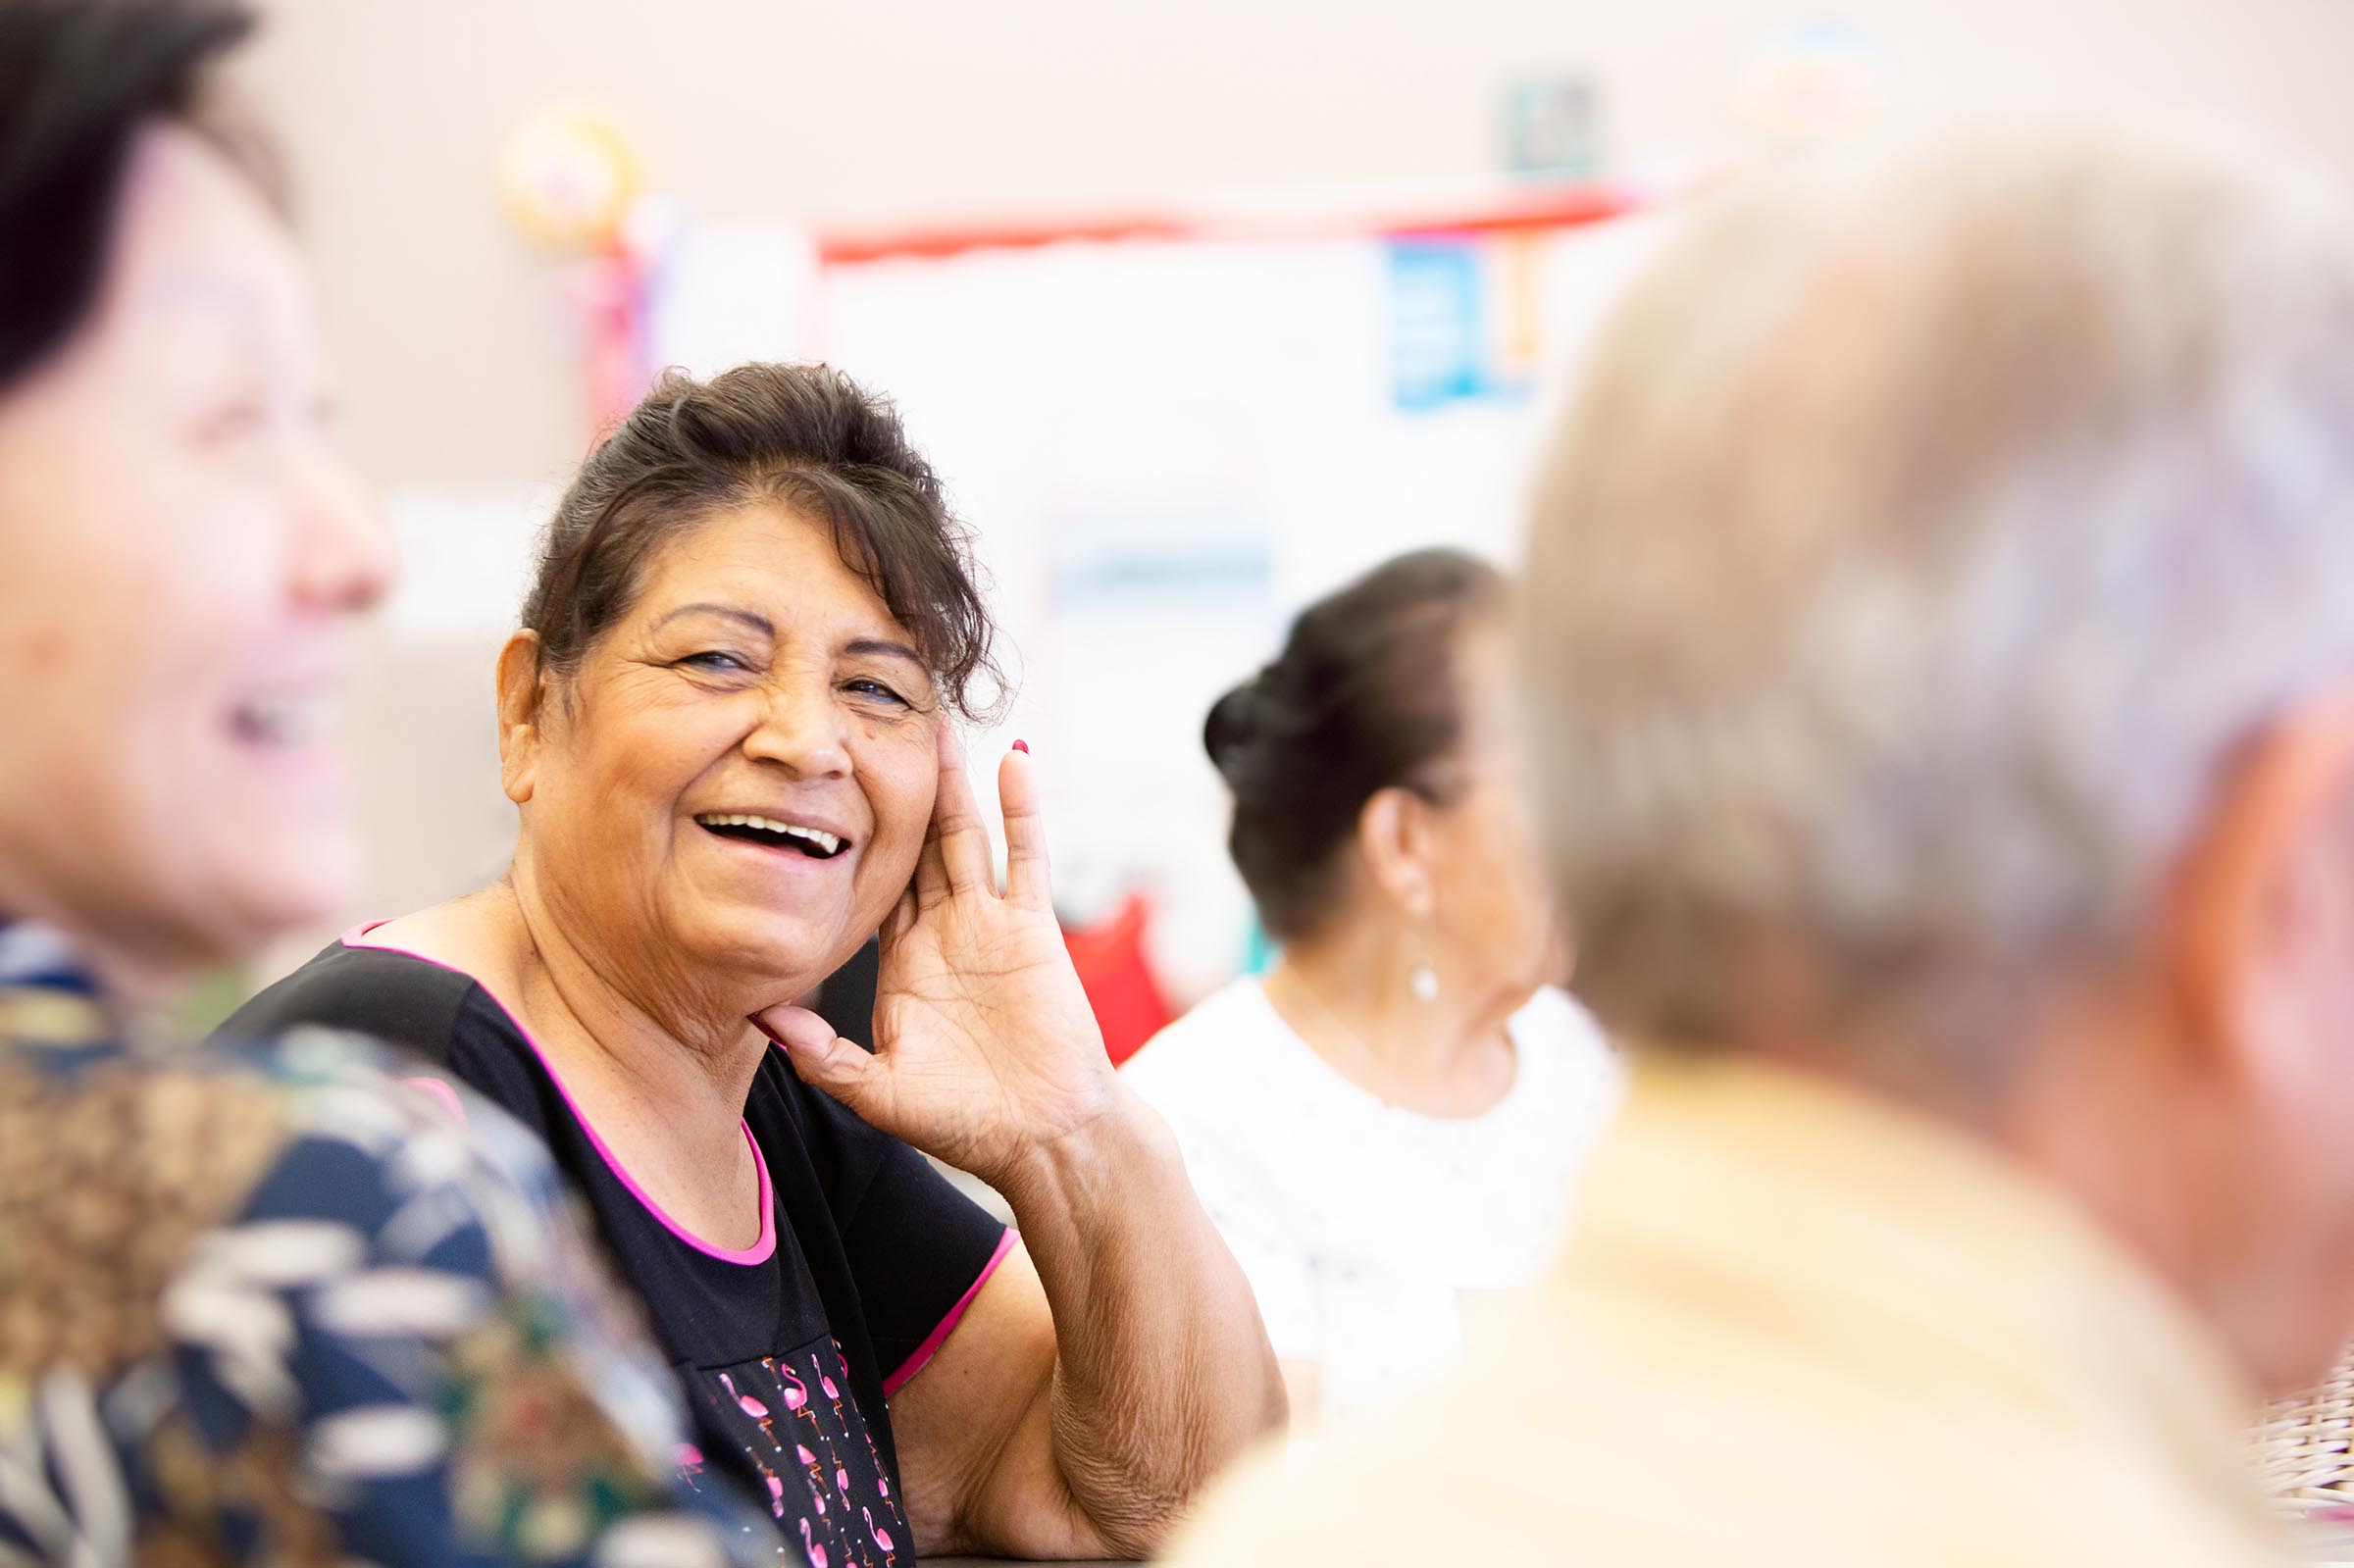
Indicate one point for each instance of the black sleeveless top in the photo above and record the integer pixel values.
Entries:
(788, 1350)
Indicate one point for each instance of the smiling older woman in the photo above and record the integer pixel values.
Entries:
(728, 725)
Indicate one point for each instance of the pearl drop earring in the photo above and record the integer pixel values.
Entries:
(1423, 982)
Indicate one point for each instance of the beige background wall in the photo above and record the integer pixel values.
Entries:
(882, 108)
(456, 373)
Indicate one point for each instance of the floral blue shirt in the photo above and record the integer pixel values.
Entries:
(275, 1306)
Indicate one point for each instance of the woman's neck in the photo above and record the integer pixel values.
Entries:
(143, 973)
(670, 1039)
(662, 1086)
(1351, 998)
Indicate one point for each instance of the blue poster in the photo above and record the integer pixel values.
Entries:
(1447, 341)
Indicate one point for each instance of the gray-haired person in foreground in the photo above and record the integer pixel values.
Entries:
(1942, 665)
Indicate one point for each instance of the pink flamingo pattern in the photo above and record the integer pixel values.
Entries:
(753, 1408)
(794, 1390)
(843, 1508)
(875, 1456)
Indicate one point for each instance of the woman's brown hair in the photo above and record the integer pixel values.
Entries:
(805, 437)
(1363, 698)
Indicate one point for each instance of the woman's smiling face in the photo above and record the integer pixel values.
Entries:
(183, 555)
(736, 779)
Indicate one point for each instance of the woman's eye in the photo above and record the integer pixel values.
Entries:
(713, 661)
(878, 690)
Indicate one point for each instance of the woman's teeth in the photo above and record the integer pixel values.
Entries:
(825, 843)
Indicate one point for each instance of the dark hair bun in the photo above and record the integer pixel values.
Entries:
(1235, 725)
(1363, 698)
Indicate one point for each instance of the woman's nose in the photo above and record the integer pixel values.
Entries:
(804, 729)
(344, 555)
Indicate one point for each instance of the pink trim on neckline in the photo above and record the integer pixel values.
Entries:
(759, 1252)
(938, 1336)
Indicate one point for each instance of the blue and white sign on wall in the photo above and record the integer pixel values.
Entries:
(1458, 305)
(1436, 341)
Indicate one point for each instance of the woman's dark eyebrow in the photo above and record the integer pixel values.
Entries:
(757, 622)
(884, 645)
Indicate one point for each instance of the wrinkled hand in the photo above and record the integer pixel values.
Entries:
(986, 1050)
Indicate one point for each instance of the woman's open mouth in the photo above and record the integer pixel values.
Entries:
(815, 842)
(287, 718)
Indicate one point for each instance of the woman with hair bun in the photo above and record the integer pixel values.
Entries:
(1391, 1114)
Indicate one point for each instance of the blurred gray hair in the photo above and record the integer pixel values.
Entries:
(1927, 534)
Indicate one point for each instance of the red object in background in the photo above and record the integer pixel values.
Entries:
(1524, 207)
(612, 303)
(1130, 1006)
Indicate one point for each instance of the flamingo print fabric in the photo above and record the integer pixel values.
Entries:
(794, 1421)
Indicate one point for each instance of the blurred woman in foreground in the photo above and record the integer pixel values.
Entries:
(261, 1307)
(1392, 1115)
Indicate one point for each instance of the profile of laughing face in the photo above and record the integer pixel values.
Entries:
(183, 557)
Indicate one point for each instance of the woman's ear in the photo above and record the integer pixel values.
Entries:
(2259, 933)
(522, 700)
(1395, 841)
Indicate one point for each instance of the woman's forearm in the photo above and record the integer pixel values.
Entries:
(1162, 1371)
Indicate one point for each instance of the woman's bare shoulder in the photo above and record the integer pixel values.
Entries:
(477, 934)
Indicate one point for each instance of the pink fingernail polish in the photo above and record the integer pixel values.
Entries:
(1022, 746)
